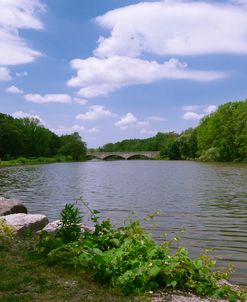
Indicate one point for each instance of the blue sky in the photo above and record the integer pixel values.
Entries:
(121, 69)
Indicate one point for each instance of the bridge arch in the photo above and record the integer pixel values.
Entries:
(123, 155)
(112, 156)
(137, 156)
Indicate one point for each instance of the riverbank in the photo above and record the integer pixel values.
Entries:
(37, 160)
(70, 262)
(24, 278)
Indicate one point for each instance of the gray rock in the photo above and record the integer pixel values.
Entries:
(53, 226)
(11, 206)
(23, 222)
(179, 296)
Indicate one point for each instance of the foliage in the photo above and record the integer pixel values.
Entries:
(226, 130)
(6, 234)
(127, 258)
(69, 230)
(73, 145)
(27, 138)
(212, 154)
(220, 136)
(5, 229)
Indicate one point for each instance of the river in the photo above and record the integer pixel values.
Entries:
(209, 200)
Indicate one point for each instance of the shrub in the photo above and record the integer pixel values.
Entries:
(212, 154)
(69, 230)
(6, 234)
(127, 258)
(5, 229)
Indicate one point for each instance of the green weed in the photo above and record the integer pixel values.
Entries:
(128, 259)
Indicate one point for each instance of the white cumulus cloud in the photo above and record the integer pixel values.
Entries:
(5, 74)
(190, 115)
(97, 77)
(15, 16)
(80, 101)
(127, 120)
(210, 109)
(95, 112)
(14, 89)
(74, 128)
(48, 98)
(174, 28)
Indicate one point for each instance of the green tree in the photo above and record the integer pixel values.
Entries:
(72, 145)
(226, 130)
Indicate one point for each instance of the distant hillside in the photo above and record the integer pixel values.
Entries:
(220, 136)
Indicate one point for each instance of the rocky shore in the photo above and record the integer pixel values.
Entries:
(16, 215)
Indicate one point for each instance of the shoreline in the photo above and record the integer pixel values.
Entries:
(37, 161)
(16, 239)
(61, 159)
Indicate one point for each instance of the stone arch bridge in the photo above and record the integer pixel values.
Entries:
(124, 155)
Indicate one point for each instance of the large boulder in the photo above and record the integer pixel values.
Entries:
(11, 206)
(23, 222)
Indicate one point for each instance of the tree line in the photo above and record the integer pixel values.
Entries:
(220, 136)
(26, 137)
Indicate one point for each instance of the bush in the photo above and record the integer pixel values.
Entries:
(129, 259)
(70, 230)
(6, 230)
(6, 234)
(212, 154)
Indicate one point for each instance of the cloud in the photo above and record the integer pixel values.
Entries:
(75, 128)
(174, 28)
(191, 115)
(48, 98)
(157, 119)
(15, 16)
(95, 112)
(14, 89)
(21, 114)
(98, 77)
(141, 124)
(210, 109)
(21, 74)
(127, 120)
(80, 101)
(5, 74)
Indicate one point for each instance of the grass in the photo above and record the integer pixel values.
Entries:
(24, 278)
(36, 160)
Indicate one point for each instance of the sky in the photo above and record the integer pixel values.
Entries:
(119, 69)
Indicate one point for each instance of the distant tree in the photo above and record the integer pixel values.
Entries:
(72, 144)
(11, 140)
(187, 142)
(226, 130)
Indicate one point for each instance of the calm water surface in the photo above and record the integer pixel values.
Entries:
(209, 200)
